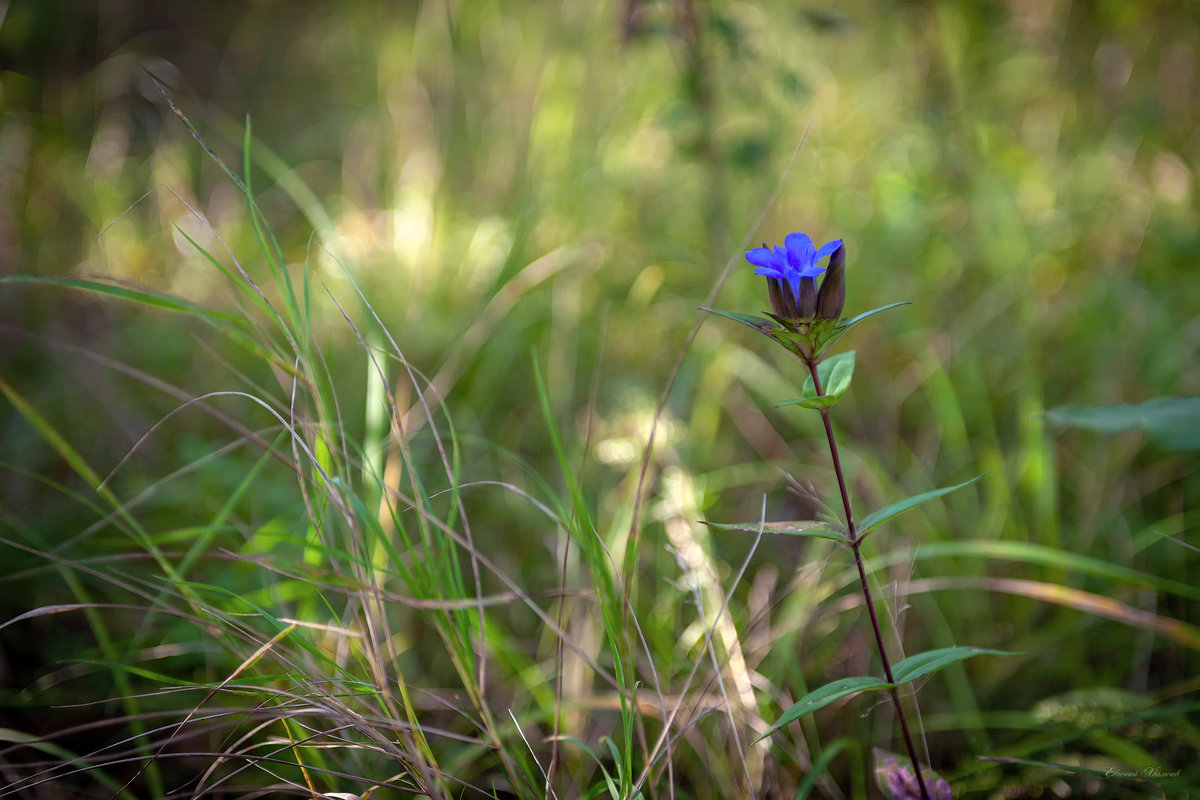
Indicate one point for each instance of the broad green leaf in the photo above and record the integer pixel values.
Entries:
(749, 320)
(840, 374)
(872, 521)
(800, 527)
(835, 374)
(829, 693)
(926, 663)
(1173, 422)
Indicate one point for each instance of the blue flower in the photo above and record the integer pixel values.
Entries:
(791, 272)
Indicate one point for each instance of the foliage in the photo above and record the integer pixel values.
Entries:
(237, 518)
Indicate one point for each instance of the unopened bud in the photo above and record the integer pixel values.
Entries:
(783, 302)
(832, 297)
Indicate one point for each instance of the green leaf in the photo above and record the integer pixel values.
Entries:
(840, 329)
(835, 374)
(926, 663)
(1173, 422)
(829, 693)
(872, 521)
(823, 401)
(845, 326)
(837, 379)
(800, 527)
(749, 320)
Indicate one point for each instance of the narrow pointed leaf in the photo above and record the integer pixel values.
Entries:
(824, 401)
(749, 320)
(845, 326)
(800, 527)
(872, 521)
(927, 663)
(842, 328)
(829, 693)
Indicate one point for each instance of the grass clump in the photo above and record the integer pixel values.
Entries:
(383, 475)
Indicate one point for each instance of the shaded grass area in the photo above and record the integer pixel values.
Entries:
(412, 504)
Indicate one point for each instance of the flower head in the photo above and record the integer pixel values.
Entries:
(899, 782)
(792, 271)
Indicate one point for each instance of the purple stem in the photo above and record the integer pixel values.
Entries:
(856, 545)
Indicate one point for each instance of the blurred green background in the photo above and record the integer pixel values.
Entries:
(573, 179)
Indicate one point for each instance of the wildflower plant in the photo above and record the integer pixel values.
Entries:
(805, 319)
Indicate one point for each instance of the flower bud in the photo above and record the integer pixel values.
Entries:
(832, 297)
(899, 782)
(783, 302)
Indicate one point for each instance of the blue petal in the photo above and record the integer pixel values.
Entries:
(763, 257)
(770, 272)
(799, 250)
(811, 271)
(828, 249)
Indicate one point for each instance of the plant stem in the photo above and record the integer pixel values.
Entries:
(856, 546)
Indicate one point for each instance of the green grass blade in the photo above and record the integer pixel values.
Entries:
(229, 325)
(821, 765)
(48, 432)
(1030, 553)
(137, 294)
(1173, 422)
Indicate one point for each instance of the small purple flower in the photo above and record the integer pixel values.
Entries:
(899, 782)
(791, 272)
